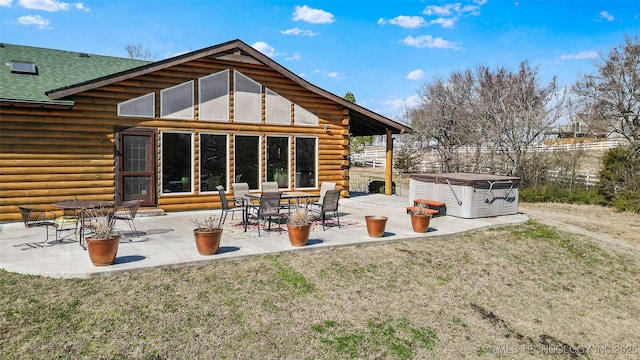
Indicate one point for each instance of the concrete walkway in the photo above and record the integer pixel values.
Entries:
(168, 240)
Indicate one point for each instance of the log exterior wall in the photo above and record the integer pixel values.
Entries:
(51, 154)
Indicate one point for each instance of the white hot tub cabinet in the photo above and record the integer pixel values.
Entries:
(468, 195)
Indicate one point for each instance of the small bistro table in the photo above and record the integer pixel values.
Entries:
(77, 207)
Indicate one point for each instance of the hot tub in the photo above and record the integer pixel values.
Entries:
(468, 195)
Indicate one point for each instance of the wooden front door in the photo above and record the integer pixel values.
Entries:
(137, 166)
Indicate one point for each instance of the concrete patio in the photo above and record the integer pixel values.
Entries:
(167, 241)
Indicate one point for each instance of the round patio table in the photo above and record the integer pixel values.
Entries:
(77, 206)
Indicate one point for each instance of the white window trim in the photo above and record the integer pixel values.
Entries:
(162, 193)
(315, 181)
(288, 155)
(227, 154)
(260, 140)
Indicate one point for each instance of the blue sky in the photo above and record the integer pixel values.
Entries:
(382, 51)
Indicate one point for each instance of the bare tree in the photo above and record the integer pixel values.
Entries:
(612, 96)
(441, 120)
(137, 51)
(517, 110)
(486, 121)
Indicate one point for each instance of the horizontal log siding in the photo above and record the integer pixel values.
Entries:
(51, 154)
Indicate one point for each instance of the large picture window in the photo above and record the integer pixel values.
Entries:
(213, 161)
(278, 160)
(247, 160)
(177, 155)
(306, 164)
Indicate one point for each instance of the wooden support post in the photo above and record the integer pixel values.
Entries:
(388, 178)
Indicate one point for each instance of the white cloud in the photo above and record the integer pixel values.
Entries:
(444, 22)
(265, 48)
(329, 74)
(452, 10)
(44, 5)
(416, 74)
(37, 20)
(580, 56)
(428, 41)
(295, 57)
(448, 14)
(298, 31)
(408, 22)
(395, 106)
(5, 3)
(49, 5)
(314, 16)
(604, 15)
(80, 6)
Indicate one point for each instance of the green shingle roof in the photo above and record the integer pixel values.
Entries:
(55, 69)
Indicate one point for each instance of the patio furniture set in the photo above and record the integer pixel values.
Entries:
(271, 202)
(78, 215)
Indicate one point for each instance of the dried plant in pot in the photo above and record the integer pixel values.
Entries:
(420, 219)
(299, 226)
(207, 234)
(103, 242)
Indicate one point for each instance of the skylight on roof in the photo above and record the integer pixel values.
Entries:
(23, 67)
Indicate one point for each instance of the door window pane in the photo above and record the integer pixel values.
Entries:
(305, 162)
(247, 160)
(213, 161)
(177, 155)
(278, 160)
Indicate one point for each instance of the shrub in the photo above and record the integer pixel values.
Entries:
(620, 178)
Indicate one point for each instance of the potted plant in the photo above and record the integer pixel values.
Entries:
(280, 176)
(103, 242)
(420, 219)
(299, 226)
(207, 234)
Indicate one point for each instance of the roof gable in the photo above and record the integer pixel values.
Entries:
(54, 69)
(67, 74)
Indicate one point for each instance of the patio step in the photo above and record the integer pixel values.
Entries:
(144, 212)
(431, 212)
(440, 206)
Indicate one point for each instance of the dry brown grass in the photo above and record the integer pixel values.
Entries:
(523, 289)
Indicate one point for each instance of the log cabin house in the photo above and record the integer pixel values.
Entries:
(90, 127)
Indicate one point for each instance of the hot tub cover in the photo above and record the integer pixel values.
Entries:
(478, 181)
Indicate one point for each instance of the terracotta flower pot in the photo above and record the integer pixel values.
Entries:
(298, 234)
(102, 252)
(375, 225)
(420, 222)
(207, 242)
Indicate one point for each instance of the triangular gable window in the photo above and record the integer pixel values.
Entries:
(278, 108)
(142, 106)
(247, 99)
(214, 97)
(177, 101)
(303, 117)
